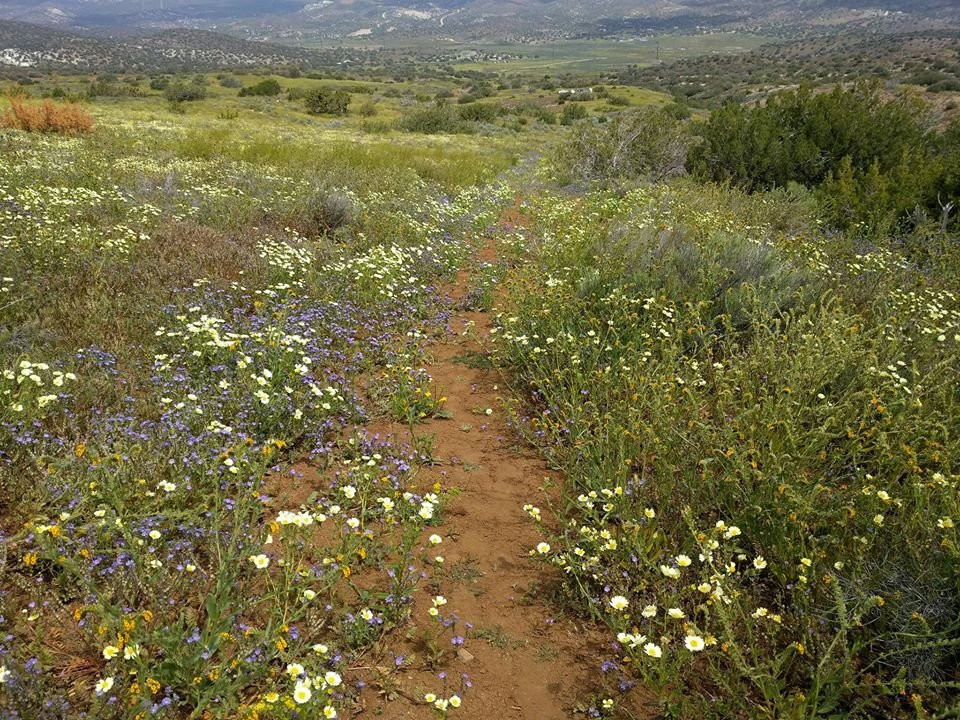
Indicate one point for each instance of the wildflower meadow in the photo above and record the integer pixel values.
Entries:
(315, 424)
(154, 405)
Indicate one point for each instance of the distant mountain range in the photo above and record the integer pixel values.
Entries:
(293, 21)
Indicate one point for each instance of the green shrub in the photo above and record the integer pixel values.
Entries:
(297, 93)
(545, 115)
(179, 93)
(873, 159)
(438, 118)
(230, 82)
(572, 113)
(104, 88)
(324, 101)
(945, 85)
(802, 136)
(480, 112)
(269, 88)
(927, 77)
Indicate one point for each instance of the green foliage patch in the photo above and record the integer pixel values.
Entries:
(873, 159)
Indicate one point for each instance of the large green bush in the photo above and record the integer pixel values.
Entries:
(874, 158)
(802, 136)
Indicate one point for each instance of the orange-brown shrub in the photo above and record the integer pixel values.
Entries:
(46, 117)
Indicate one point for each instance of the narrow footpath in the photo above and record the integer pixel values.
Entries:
(522, 661)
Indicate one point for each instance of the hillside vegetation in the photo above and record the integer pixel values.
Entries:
(929, 59)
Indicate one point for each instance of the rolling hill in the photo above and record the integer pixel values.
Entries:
(293, 21)
(25, 45)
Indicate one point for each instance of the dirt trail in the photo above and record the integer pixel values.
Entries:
(526, 663)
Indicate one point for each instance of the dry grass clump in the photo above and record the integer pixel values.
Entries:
(46, 117)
